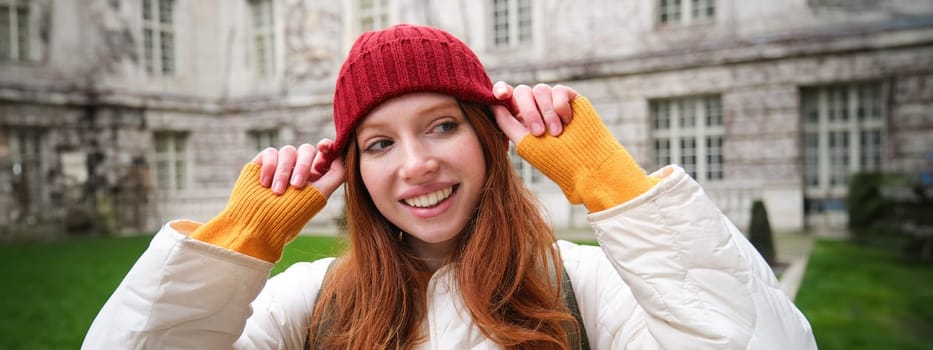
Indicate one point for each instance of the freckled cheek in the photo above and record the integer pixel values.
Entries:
(376, 178)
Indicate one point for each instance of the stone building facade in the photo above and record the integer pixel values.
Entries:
(118, 115)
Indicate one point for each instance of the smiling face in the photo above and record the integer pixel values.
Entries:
(423, 166)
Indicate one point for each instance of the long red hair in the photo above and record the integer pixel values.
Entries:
(376, 293)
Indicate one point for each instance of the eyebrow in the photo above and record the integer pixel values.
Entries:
(427, 110)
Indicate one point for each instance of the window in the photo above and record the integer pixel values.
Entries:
(511, 21)
(25, 160)
(842, 134)
(689, 131)
(263, 52)
(171, 159)
(14, 30)
(686, 11)
(158, 37)
(374, 14)
(525, 170)
(261, 139)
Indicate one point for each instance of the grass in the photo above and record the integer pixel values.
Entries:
(855, 297)
(861, 297)
(54, 290)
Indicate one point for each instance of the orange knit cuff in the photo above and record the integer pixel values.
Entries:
(587, 162)
(258, 223)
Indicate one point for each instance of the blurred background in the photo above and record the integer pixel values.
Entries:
(119, 115)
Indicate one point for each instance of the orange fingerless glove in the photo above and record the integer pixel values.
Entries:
(258, 223)
(587, 162)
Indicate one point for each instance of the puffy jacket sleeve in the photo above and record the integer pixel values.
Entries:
(183, 293)
(677, 274)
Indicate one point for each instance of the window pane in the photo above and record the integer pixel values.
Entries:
(180, 172)
(524, 21)
(688, 113)
(713, 111)
(662, 118)
(167, 47)
(161, 143)
(148, 47)
(367, 24)
(688, 155)
(147, 9)
(870, 153)
(714, 158)
(165, 11)
(838, 157)
(22, 32)
(838, 104)
(869, 102)
(501, 22)
(163, 172)
(5, 42)
(811, 107)
(662, 152)
(811, 158)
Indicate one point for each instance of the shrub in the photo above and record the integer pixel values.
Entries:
(867, 209)
(760, 232)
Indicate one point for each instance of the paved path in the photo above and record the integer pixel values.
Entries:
(794, 249)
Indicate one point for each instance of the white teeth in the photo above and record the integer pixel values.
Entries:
(430, 199)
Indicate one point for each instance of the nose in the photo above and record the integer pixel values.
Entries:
(419, 163)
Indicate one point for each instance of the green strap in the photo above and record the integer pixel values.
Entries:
(578, 340)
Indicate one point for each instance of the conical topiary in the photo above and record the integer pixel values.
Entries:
(760, 232)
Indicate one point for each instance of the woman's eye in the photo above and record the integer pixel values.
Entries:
(445, 127)
(378, 145)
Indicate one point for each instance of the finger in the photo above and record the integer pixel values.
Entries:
(302, 169)
(335, 175)
(283, 170)
(512, 128)
(504, 93)
(528, 109)
(562, 96)
(321, 163)
(542, 94)
(267, 160)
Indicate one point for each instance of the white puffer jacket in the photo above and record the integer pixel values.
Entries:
(671, 272)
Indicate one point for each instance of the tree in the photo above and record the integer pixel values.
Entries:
(760, 232)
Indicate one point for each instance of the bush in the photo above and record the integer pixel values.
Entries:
(760, 232)
(868, 210)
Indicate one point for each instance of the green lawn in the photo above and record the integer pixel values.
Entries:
(859, 297)
(855, 297)
(52, 291)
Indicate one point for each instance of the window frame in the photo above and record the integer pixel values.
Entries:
(154, 33)
(173, 180)
(688, 12)
(826, 167)
(519, 33)
(698, 124)
(18, 30)
(262, 45)
(378, 14)
(260, 139)
(26, 165)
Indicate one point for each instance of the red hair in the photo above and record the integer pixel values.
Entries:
(376, 292)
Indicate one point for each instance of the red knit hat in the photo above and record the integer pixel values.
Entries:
(402, 59)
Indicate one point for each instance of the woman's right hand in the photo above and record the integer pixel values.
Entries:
(300, 167)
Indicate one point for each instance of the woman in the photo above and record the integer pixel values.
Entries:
(447, 248)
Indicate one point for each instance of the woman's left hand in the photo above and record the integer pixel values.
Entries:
(539, 110)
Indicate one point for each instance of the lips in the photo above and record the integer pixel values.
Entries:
(430, 199)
